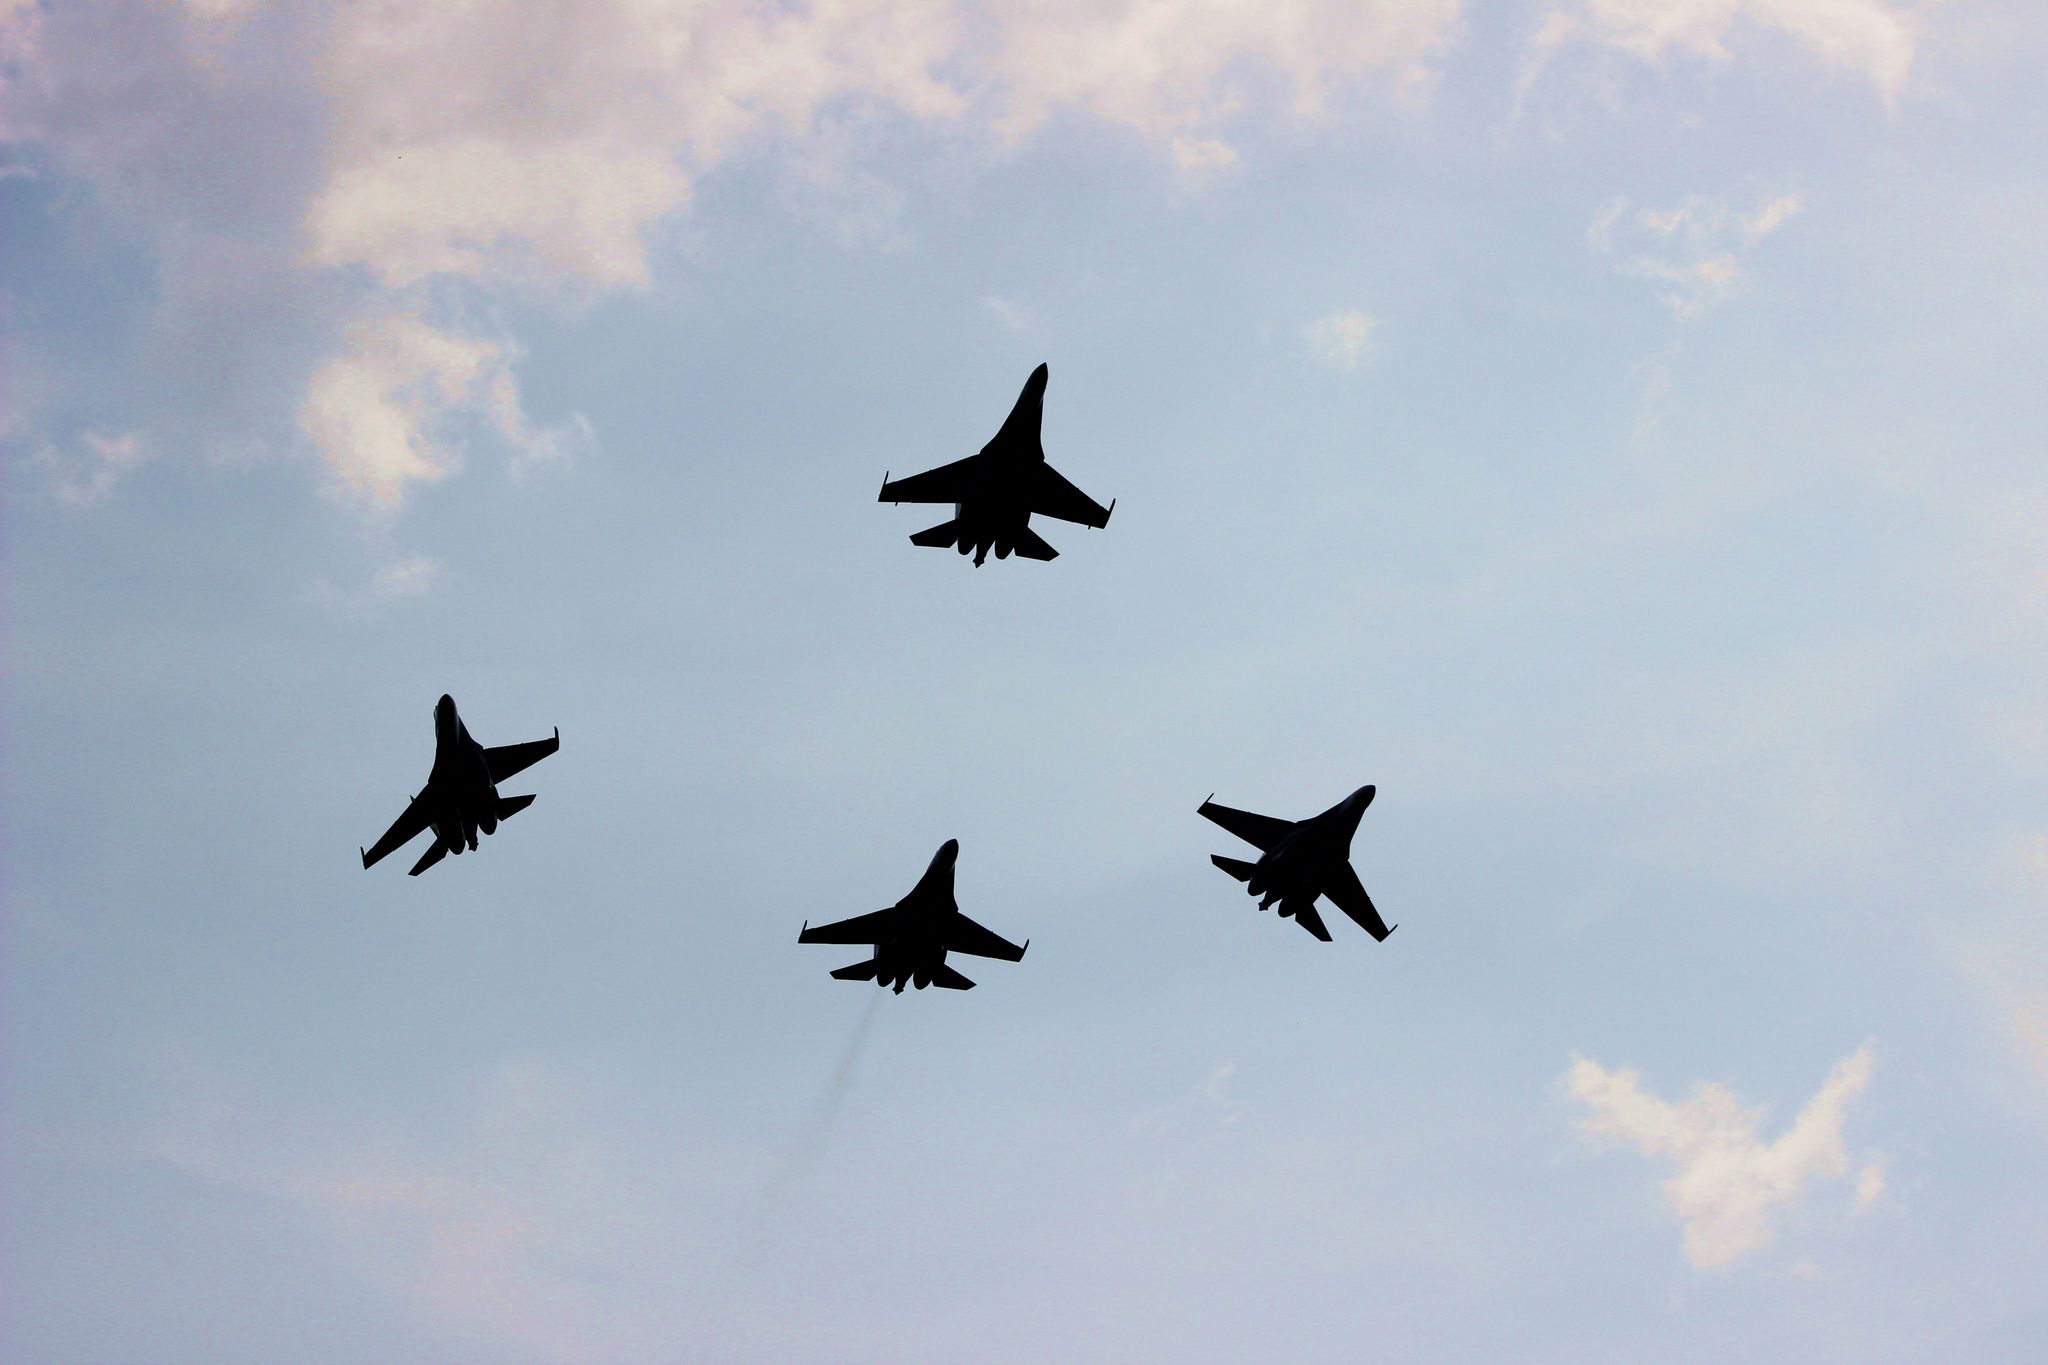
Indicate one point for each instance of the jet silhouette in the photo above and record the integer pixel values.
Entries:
(1301, 859)
(461, 796)
(995, 491)
(913, 936)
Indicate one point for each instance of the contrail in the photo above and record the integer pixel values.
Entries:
(817, 1125)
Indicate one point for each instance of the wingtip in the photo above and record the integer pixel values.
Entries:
(365, 855)
(1107, 515)
(883, 496)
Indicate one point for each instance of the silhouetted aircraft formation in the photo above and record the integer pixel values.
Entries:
(1300, 860)
(461, 797)
(995, 490)
(994, 493)
(912, 937)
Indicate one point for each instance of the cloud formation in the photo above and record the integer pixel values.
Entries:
(1693, 252)
(1339, 339)
(1873, 39)
(356, 163)
(1167, 70)
(88, 471)
(380, 413)
(1729, 1181)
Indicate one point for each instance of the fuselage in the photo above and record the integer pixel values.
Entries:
(465, 800)
(1294, 870)
(997, 509)
(916, 946)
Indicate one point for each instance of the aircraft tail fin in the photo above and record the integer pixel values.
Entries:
(1030, 545)
(859, 971)
(938, 537)
(509, 806)
(950, 979)
(1236, 867)
(436, 851)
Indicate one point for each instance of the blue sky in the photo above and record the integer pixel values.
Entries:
(1614, 429)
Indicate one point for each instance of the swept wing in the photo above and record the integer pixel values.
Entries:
(1347, 894)
(948, 483)
(963, 935)
(1053, 496)
(508, 759)
(403, 830)
(870, 928)
(1261, 830)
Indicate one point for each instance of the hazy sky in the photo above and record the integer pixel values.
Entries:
(1615, 428)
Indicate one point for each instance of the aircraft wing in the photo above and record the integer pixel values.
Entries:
(947, 483)
(508, 759)
(1345, 892)
(1053, 496)
(1307, 918)
(403, 830)
(963, 935)
(870, 929)
(1261, 830)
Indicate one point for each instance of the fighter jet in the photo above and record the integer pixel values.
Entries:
(995, 491)
(1300, 860)
(913, 936)
(461, 796)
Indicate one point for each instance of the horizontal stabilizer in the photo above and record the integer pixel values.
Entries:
(938, 537)
(950, 979)
(1030, 545)
(1236, 867)
(859, 971)
(435, 852)
(1307, 918)
(509, 806)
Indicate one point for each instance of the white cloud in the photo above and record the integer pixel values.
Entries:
(497, 142)
(1873, 39)
(1173, 72)
(1692, 252)
(1729, 1182)
(409, 577)
(443, 161)
(379, 415)
(1339, 339)
(457, 207)
(403, 579)
(88, 471)
(348, 159)
(1015, 315)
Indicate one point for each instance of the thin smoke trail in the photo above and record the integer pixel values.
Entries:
(817, 1126)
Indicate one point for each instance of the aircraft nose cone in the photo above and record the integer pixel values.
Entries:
(949, 850)
(1039, 375)
(447, 703)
